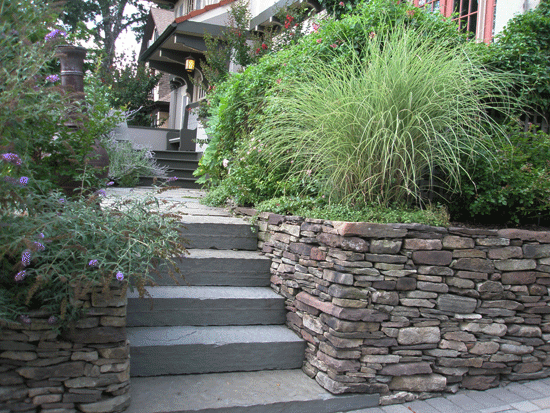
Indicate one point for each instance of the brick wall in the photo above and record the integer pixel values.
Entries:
(84, 369)
(409, 310)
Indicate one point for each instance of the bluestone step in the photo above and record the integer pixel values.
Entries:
(178, 155)
(202, 306)
(221, 267)
(195, 350)
(181, 182)
(223, 233)
(277, 391)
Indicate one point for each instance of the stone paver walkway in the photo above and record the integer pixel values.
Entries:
(532, 396)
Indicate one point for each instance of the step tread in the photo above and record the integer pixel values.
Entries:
(225, 254)
(218, 336)
(274, 391)
(208, 293)
(197, 219)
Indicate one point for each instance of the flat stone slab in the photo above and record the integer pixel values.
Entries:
(206, 306)
(220, 267)
(158, 351)
(278, 391)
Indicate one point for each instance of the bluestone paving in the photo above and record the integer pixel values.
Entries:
(525, 392)
(422, 406)
(465, 402)
(525, 397)
(542, 403)
(502, 393)
(443, 405)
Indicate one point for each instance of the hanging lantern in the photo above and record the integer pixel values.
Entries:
(189, 64)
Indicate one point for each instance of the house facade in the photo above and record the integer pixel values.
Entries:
(174, 39)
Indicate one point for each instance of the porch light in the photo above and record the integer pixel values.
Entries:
(189, 64)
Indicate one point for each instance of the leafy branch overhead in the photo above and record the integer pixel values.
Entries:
(105, 20)
(243, 47)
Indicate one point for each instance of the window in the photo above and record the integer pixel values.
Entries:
(199, 91)
(467, 11)
(475, 16)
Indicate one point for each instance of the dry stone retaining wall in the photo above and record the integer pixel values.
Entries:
(85, 369)
(409, 310)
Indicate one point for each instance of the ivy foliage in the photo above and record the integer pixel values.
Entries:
(523, 47)
(340, 8)
(515, 189)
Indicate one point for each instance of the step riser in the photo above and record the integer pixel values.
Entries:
(219, 236)
(196, 312)
(220, 272)
(178, 155)
(180, 183)
(178, 164)
(212, 358)
(181, 173)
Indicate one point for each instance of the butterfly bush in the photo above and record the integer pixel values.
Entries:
(53, 251)
(55, 246)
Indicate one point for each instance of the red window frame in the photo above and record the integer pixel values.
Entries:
(485, 8)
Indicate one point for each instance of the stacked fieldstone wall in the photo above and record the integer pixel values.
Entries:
(84, 369)
(409, 310)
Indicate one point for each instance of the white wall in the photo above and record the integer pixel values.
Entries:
(507, 9)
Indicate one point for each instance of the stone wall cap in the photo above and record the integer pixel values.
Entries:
(369, 229)
(525, 235)
(473, 231)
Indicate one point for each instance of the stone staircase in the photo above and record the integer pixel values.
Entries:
(181, 164)
(219, 344)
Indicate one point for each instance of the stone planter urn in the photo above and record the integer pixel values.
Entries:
(71, 59)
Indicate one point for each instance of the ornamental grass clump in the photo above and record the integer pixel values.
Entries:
(385, 126)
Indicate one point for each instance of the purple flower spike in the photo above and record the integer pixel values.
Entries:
(26, 258)
(41, 235)
(119, 276)
(23, 180)
(52, 78)
(54, 34)
(25, 319)
(174, 178)
(39, 246)
(101, 192)
(11, 158)
(20, 276)
(93, 263)
(61, 200)
(110, 183)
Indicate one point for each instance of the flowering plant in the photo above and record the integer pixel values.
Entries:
(53, 249)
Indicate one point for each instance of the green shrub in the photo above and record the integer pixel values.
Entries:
(239, 106)
(318, 208)
(371, 130)
(515, 189)
(53, 249)
(523, 48)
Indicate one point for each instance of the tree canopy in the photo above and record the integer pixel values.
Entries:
(105, 20)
